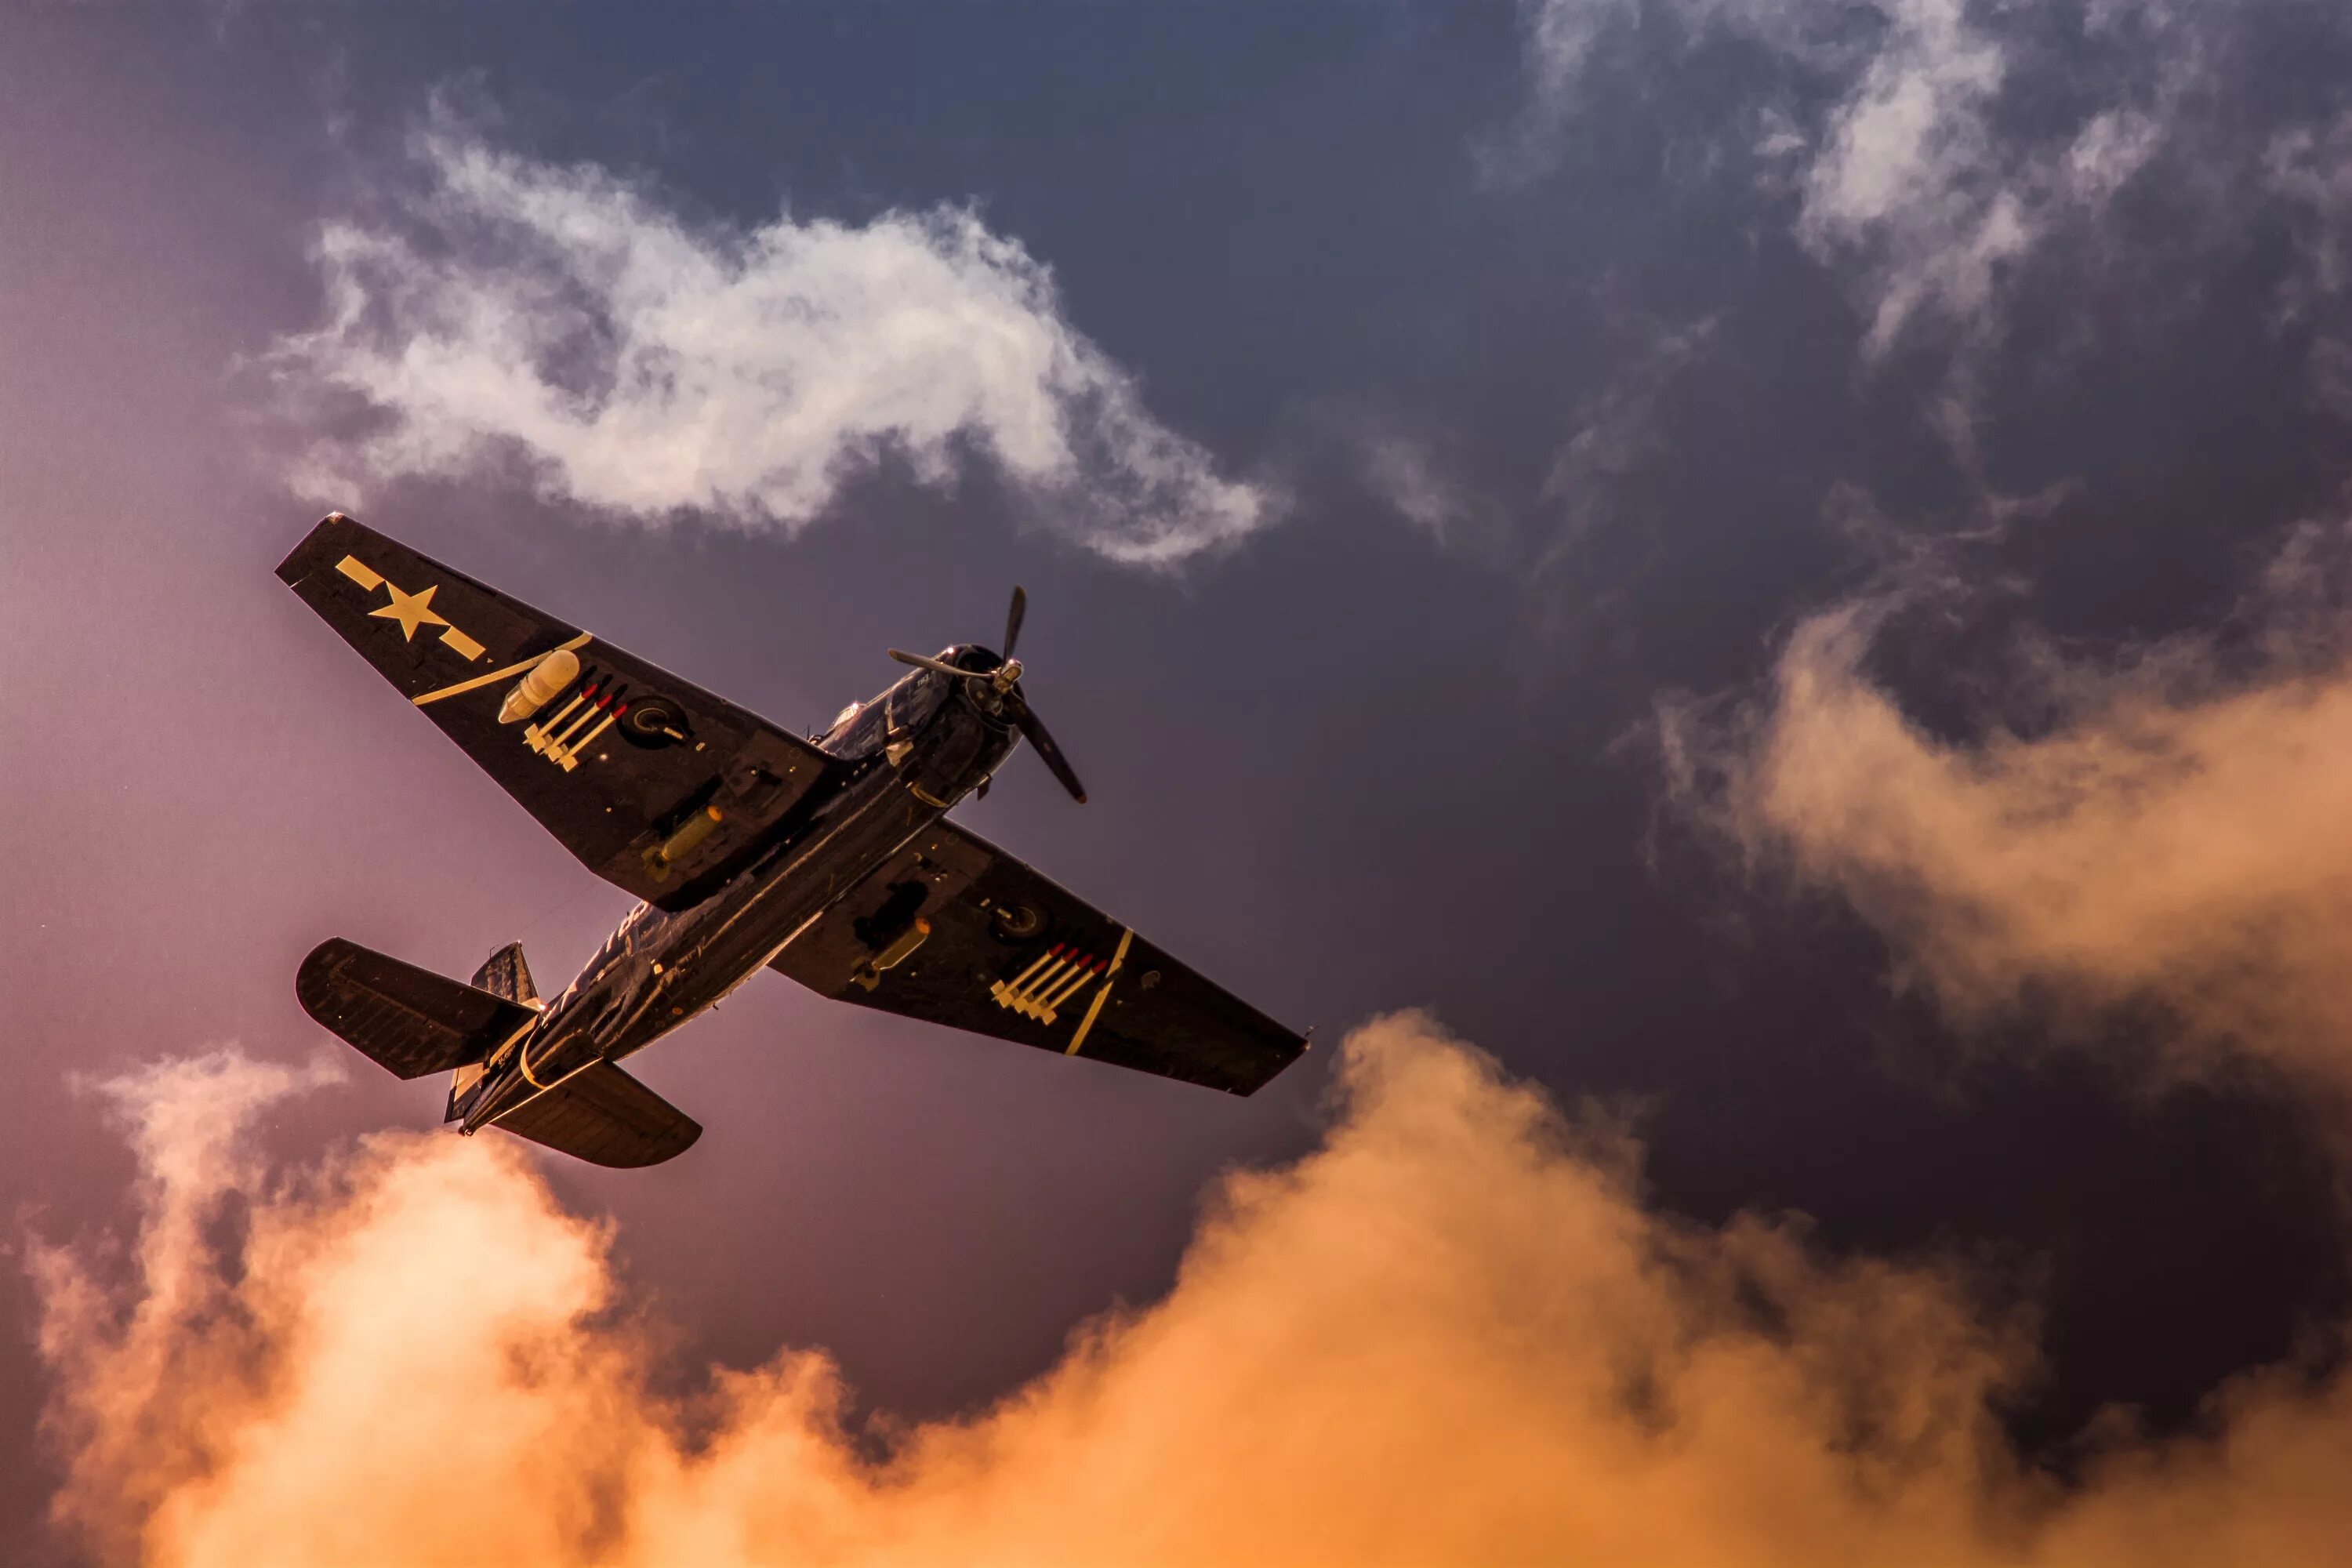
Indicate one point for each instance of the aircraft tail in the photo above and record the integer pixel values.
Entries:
(504, 974)
(410, 1021)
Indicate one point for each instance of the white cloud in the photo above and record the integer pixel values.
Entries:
(1558, 39)
(648, 366)
(1904, 180)
(1408, 474)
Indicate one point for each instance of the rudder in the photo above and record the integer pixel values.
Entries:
(504, 974)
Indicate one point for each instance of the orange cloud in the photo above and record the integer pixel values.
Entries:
(1453, 1334)
(2178, 836)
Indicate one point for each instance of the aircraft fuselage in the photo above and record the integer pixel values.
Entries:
(660, 969)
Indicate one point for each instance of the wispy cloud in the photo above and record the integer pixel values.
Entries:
(648, 367)
(1453, 1334)
(1898, 128)
(2170, 830)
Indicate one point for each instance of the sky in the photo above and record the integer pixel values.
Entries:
(1742, 602)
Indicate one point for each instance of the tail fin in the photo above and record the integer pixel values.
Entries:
(410, 1021)
(504, 974)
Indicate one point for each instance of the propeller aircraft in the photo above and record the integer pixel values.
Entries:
(828, 858)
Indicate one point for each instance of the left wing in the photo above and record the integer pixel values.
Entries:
(655, 783)
(954, 931)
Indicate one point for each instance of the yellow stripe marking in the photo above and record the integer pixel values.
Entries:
(556, 743)
(360, 571)
(1009, 996)
(569, 755)
(1094, 1008)
(479, 681)
(1069, 984)
(542, 736)
(460, 644)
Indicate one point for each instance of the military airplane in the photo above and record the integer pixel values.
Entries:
(830, 859)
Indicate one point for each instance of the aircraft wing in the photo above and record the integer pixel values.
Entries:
(622, 762)
(954, 931)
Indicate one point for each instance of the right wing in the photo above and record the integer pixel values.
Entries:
(954, 931)
(620, 761)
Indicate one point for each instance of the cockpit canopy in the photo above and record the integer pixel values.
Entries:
(863, 729)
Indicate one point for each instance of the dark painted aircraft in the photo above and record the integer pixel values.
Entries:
(830, 859)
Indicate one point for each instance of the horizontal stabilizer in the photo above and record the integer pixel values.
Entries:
(411, 1021)
(603, 1116)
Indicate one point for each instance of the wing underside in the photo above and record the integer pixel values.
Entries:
(954, 931)
(655, 783)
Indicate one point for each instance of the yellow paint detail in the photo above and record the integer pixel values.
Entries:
(1070, 984)
(1094, 1008)
(569, 755)
(462, 645)
(411, 610)
(359, 571)
(539, 737)
(478, 682)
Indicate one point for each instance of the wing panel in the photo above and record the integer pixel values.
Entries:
(956, 932)
(620, 760)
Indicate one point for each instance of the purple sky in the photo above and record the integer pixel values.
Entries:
(1480, 388)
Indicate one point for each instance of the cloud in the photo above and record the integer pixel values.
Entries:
(1895, 127)
(1617, 435)
(1906, 180)
(648, 366)
(2171, 829)
(1558, 39)
(187, 1119)
(1452, 1333)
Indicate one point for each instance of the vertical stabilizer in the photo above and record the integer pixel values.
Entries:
(504, 974)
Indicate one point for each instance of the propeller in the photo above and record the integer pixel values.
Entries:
(1005, 682)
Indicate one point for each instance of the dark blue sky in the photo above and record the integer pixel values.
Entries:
(1354, 762)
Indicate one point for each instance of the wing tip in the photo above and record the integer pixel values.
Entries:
(300, 561)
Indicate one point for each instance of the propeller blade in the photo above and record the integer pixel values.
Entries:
(919, 662)
(1034, 732)
(1012, 619)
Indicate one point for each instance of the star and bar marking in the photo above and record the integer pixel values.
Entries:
(410, 610)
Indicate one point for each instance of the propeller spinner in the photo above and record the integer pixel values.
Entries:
(1005, 680)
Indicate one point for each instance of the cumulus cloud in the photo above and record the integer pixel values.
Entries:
(645, 365)
(1453, 1334)
(2173, 830)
